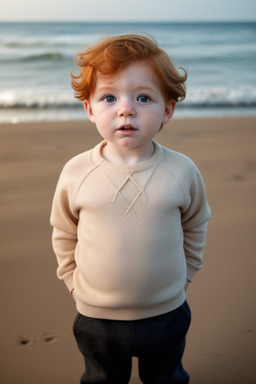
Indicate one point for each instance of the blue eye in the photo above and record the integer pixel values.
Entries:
(143, 99)
(109, 99)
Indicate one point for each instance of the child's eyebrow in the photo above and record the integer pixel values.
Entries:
(145, 88)
(110, 88)
(105, 89)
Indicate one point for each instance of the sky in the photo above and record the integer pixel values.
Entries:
(128, 10)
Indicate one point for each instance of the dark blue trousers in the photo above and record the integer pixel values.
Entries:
(158, 343)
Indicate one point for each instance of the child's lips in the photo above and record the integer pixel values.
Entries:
(126, 128)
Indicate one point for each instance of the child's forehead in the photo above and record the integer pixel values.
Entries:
(139, 71)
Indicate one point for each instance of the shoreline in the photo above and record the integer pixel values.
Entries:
(51, 116)
(37, 310)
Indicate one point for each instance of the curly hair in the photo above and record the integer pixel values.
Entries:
(112, 54)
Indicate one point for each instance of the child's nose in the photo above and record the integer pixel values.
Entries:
(126, 109)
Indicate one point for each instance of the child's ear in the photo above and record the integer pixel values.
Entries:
(88, 108)
(169, 111)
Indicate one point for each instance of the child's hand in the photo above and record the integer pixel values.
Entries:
(74, 295)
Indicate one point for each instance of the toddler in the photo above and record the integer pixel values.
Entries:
(129, 217)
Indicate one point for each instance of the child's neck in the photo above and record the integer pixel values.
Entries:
(127, 156)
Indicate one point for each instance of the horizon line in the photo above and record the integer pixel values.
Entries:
(131, 21)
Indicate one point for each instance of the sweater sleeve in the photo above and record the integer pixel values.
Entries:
(64, 245)
(195, 215)
(64, 220)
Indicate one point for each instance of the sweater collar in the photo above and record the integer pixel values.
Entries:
(98, 158)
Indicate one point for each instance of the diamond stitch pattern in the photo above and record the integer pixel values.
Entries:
(130, 191)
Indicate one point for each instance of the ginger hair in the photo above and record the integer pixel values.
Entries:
(112, 54)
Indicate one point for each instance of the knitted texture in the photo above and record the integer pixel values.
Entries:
(127, 237)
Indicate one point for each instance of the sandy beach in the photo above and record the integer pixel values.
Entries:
(37, 312)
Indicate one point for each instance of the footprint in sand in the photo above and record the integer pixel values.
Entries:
(249, 168)
(237, 177)
(24, 341)
(47, 338)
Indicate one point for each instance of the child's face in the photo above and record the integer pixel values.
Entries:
(129, 111)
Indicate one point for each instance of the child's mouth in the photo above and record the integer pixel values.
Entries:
(127, 128)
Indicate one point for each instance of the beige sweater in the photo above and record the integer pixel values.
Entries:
(127, 237)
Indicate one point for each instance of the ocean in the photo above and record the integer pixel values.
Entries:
(36, 60)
